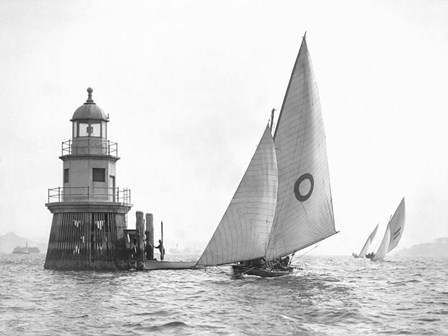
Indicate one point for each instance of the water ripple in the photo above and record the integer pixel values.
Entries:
(329, 296)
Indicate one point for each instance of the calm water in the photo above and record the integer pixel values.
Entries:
(329, 296)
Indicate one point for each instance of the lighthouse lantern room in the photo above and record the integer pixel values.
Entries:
(89, 210)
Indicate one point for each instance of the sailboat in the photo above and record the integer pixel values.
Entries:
(283, 203)
(393, 233)
(367, 244)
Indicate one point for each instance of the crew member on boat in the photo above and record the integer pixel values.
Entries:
(280, 264)
(161, 249)
(255, 263)
(285, 261)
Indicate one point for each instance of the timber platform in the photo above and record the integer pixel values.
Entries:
(169, 265)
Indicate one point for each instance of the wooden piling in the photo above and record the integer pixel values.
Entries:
(140, 234)
(149, 236)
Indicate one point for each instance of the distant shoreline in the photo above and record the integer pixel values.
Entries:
(436, 248)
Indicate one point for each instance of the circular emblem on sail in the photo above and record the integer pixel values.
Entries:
(299, 196)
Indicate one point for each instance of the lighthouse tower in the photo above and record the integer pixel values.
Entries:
(89, 210)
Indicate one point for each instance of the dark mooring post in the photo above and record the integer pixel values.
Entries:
(140, 233)
(161, 231)
(149, 236)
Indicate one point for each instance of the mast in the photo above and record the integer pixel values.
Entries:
(289, 85)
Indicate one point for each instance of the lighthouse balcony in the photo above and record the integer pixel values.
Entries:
(89, 194)
(89, 146)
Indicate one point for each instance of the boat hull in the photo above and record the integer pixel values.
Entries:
(239, 270)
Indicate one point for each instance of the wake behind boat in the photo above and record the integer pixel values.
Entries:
(283, 203)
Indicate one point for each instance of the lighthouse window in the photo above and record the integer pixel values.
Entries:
(66, 175)
(88, 129)
(84, 129)
(95, 130)
(99, 175)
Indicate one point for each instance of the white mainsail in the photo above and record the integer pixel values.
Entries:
(394, 231)
(382, 249)
(396, 225)
(368, 242)
(304, 211)
(244, 229)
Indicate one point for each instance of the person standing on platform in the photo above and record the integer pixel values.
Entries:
(161, 249)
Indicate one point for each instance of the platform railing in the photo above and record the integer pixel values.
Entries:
(89, 194)
(89, 146)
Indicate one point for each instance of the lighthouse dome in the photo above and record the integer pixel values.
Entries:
(89, 110)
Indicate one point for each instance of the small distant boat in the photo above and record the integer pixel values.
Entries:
(283, 203)
(392, 235)
(367, 244)
(25, 250)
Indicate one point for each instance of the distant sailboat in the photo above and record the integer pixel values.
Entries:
(284, 202)
(367, 244)
(393, 233)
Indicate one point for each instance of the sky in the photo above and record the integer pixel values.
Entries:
(189, 86)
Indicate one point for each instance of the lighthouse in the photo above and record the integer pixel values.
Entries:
(89, 209)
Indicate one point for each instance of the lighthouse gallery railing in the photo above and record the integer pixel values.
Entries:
(89, 146)
(89, 194)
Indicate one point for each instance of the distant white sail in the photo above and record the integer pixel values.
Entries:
(304, 211)
(394, 231)
(396, 225)
(244, 229)
(383, 248)
(368, 242)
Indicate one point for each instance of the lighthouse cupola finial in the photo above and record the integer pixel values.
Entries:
(89, 110)
(89, 98)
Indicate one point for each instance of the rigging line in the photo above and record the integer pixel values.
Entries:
(302, 255)
(250, 269)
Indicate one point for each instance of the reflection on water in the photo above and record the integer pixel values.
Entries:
(329, 296)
